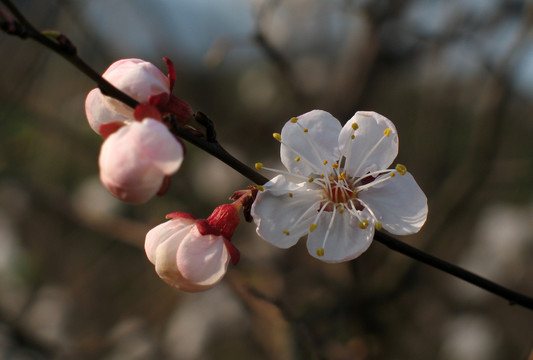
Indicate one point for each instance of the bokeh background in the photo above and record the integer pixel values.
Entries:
(456, 77)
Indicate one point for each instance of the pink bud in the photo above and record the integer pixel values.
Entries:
(138, 79)
(183, 257)
(192, 255)
(135, 160)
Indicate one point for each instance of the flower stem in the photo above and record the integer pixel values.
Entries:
(414, 253)
(211, 146)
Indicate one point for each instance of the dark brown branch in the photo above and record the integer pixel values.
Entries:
(513, 297)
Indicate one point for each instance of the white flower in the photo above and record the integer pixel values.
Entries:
(338, 188)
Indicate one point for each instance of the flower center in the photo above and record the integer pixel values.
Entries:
(338, 193)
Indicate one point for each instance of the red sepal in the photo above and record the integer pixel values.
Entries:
(234, 253)
(146, 110)
(225, 219)
(205, 229)
(179, 108)
(109, 128)
(180, 215)
(171, 72)
(160, 101)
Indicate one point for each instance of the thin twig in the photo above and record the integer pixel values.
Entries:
(414, 253)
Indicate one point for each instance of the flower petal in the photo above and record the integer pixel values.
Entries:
(138, 79)
(280, 208)
(345, 241)
(97, 113)
(202, 259)
(174, 229)
(398, 203)
(166, 265)
(158, 144)
(370, 149)
(125, 171)
(318, 143)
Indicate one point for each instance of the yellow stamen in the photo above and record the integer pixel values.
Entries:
(290, 195)
(286, 232)
(294, 119)
(277, 136)
(335, 165)
(363, 224)
(354, 192)
(392, 175)
(311, 179)
(341, 210)
(355, 126)
(401, 169)
(331, 178)
(353, 136)
(312, 227)
(322, 176)
(325, 162)
(378, 225)
(306, 130)
(297, 159)
(260, 188)
(387, 132)
(259, 166)
(320, 252)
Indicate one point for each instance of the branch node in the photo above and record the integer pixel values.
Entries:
(208, 124)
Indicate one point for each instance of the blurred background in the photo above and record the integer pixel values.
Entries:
(455, 76)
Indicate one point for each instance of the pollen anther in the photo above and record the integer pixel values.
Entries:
(325, 162)
(297, 159)
(363, 224)
(312, 227)
(311, 179)
(355, 126)
(286, 232)
(387, 132)
(378, 225)
(320, 252)
(335, 165)
(294, 119)
(402, 170)
(277, 136)
(260, 188)
(306, 130)
(259, 166)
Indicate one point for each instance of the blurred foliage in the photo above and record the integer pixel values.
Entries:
(455, 78)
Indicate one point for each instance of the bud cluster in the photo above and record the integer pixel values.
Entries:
(139, 154)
